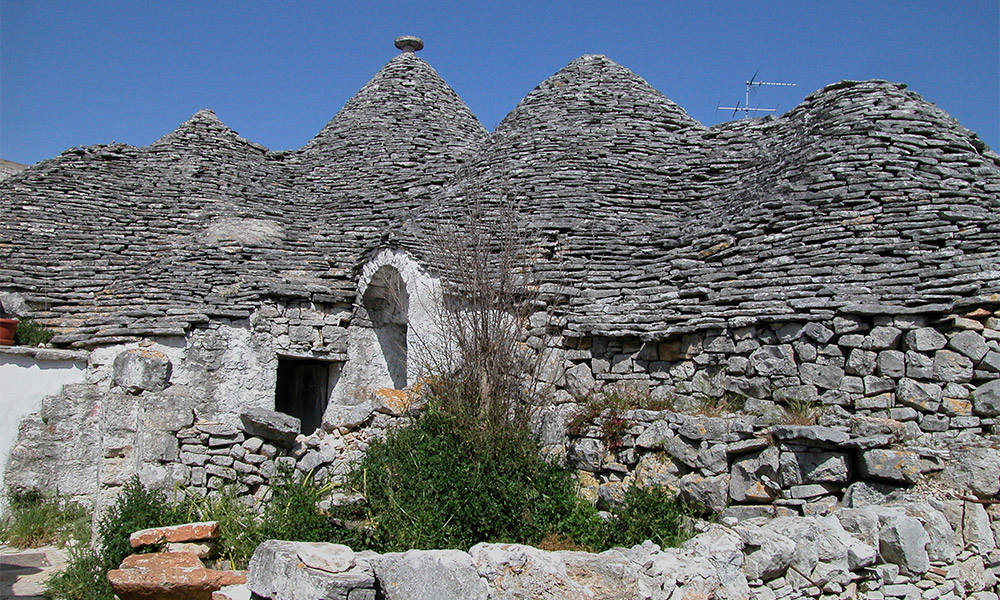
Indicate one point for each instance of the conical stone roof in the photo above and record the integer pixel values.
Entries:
(863, 198)
(402, 135)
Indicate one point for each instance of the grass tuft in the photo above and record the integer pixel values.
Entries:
(35, 520)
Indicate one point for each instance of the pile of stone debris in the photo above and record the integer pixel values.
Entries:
(176, 573)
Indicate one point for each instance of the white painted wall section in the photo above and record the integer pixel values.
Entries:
(24, 381)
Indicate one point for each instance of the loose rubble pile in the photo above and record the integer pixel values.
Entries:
(177, 572)
(267, 445)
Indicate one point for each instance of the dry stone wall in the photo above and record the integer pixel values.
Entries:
(935, 373)
(306, 329)
(909, 550)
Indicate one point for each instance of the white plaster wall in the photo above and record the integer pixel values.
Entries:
(365, 368)
(24, 381)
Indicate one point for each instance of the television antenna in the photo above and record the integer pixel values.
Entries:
(746, 109)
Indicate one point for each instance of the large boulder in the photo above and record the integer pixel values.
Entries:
(277, 571)
(768, 553)
(140, 370)
(270, 425)
(941, 546)
(903, 541)
(418, 574)
(515, 571)
(975, 470)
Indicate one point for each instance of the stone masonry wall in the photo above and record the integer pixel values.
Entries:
(933, 373)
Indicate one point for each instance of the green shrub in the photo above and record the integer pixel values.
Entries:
(135, 508)
(292, 510)
(442, 484)
(85, 577)
(35, 520)
(30, 333)
(649, 513)
(239, 526)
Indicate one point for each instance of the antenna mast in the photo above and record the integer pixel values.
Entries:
(746, 109)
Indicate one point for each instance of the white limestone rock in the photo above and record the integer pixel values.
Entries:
(419, 574)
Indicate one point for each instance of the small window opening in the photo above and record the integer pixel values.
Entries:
(302, 391)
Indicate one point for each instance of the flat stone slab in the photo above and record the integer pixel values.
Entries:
(188, 532)
(169, 576)
(23, 572)
(270, 425)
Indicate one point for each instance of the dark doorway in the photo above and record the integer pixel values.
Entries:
(302, 391)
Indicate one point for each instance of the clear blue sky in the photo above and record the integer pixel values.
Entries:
(79, 72)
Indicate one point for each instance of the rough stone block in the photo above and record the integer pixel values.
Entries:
(279, 573)
(986, 399)
(813, 467)
(418, 574)
(810, 435)
(861, 362)
(892, 363)
(824, 376)
(903, 541)
(881, 338)
(969, 343)
(140, 370)
(754, 477)
(951, 366)
(919, 395)
(919, 366)
(188, 532)
(272, 425)
(890, 465)
(925, 339)
(774, 360)
(169, 576)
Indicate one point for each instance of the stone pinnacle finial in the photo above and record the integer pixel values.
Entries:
(409, 43)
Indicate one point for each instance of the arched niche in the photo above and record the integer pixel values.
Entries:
(387, 303)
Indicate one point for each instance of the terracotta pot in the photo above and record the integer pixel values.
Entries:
(7, 329)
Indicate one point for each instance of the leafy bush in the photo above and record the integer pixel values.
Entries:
(292, 510)
(442, 484)
(85, 577)
(135, 508)
(30, 333)
(35, 520)
(239, 525)
(650, 513)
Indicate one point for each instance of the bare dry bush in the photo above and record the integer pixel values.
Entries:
(479, 368)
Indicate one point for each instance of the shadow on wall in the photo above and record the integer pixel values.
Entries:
(388, 305)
